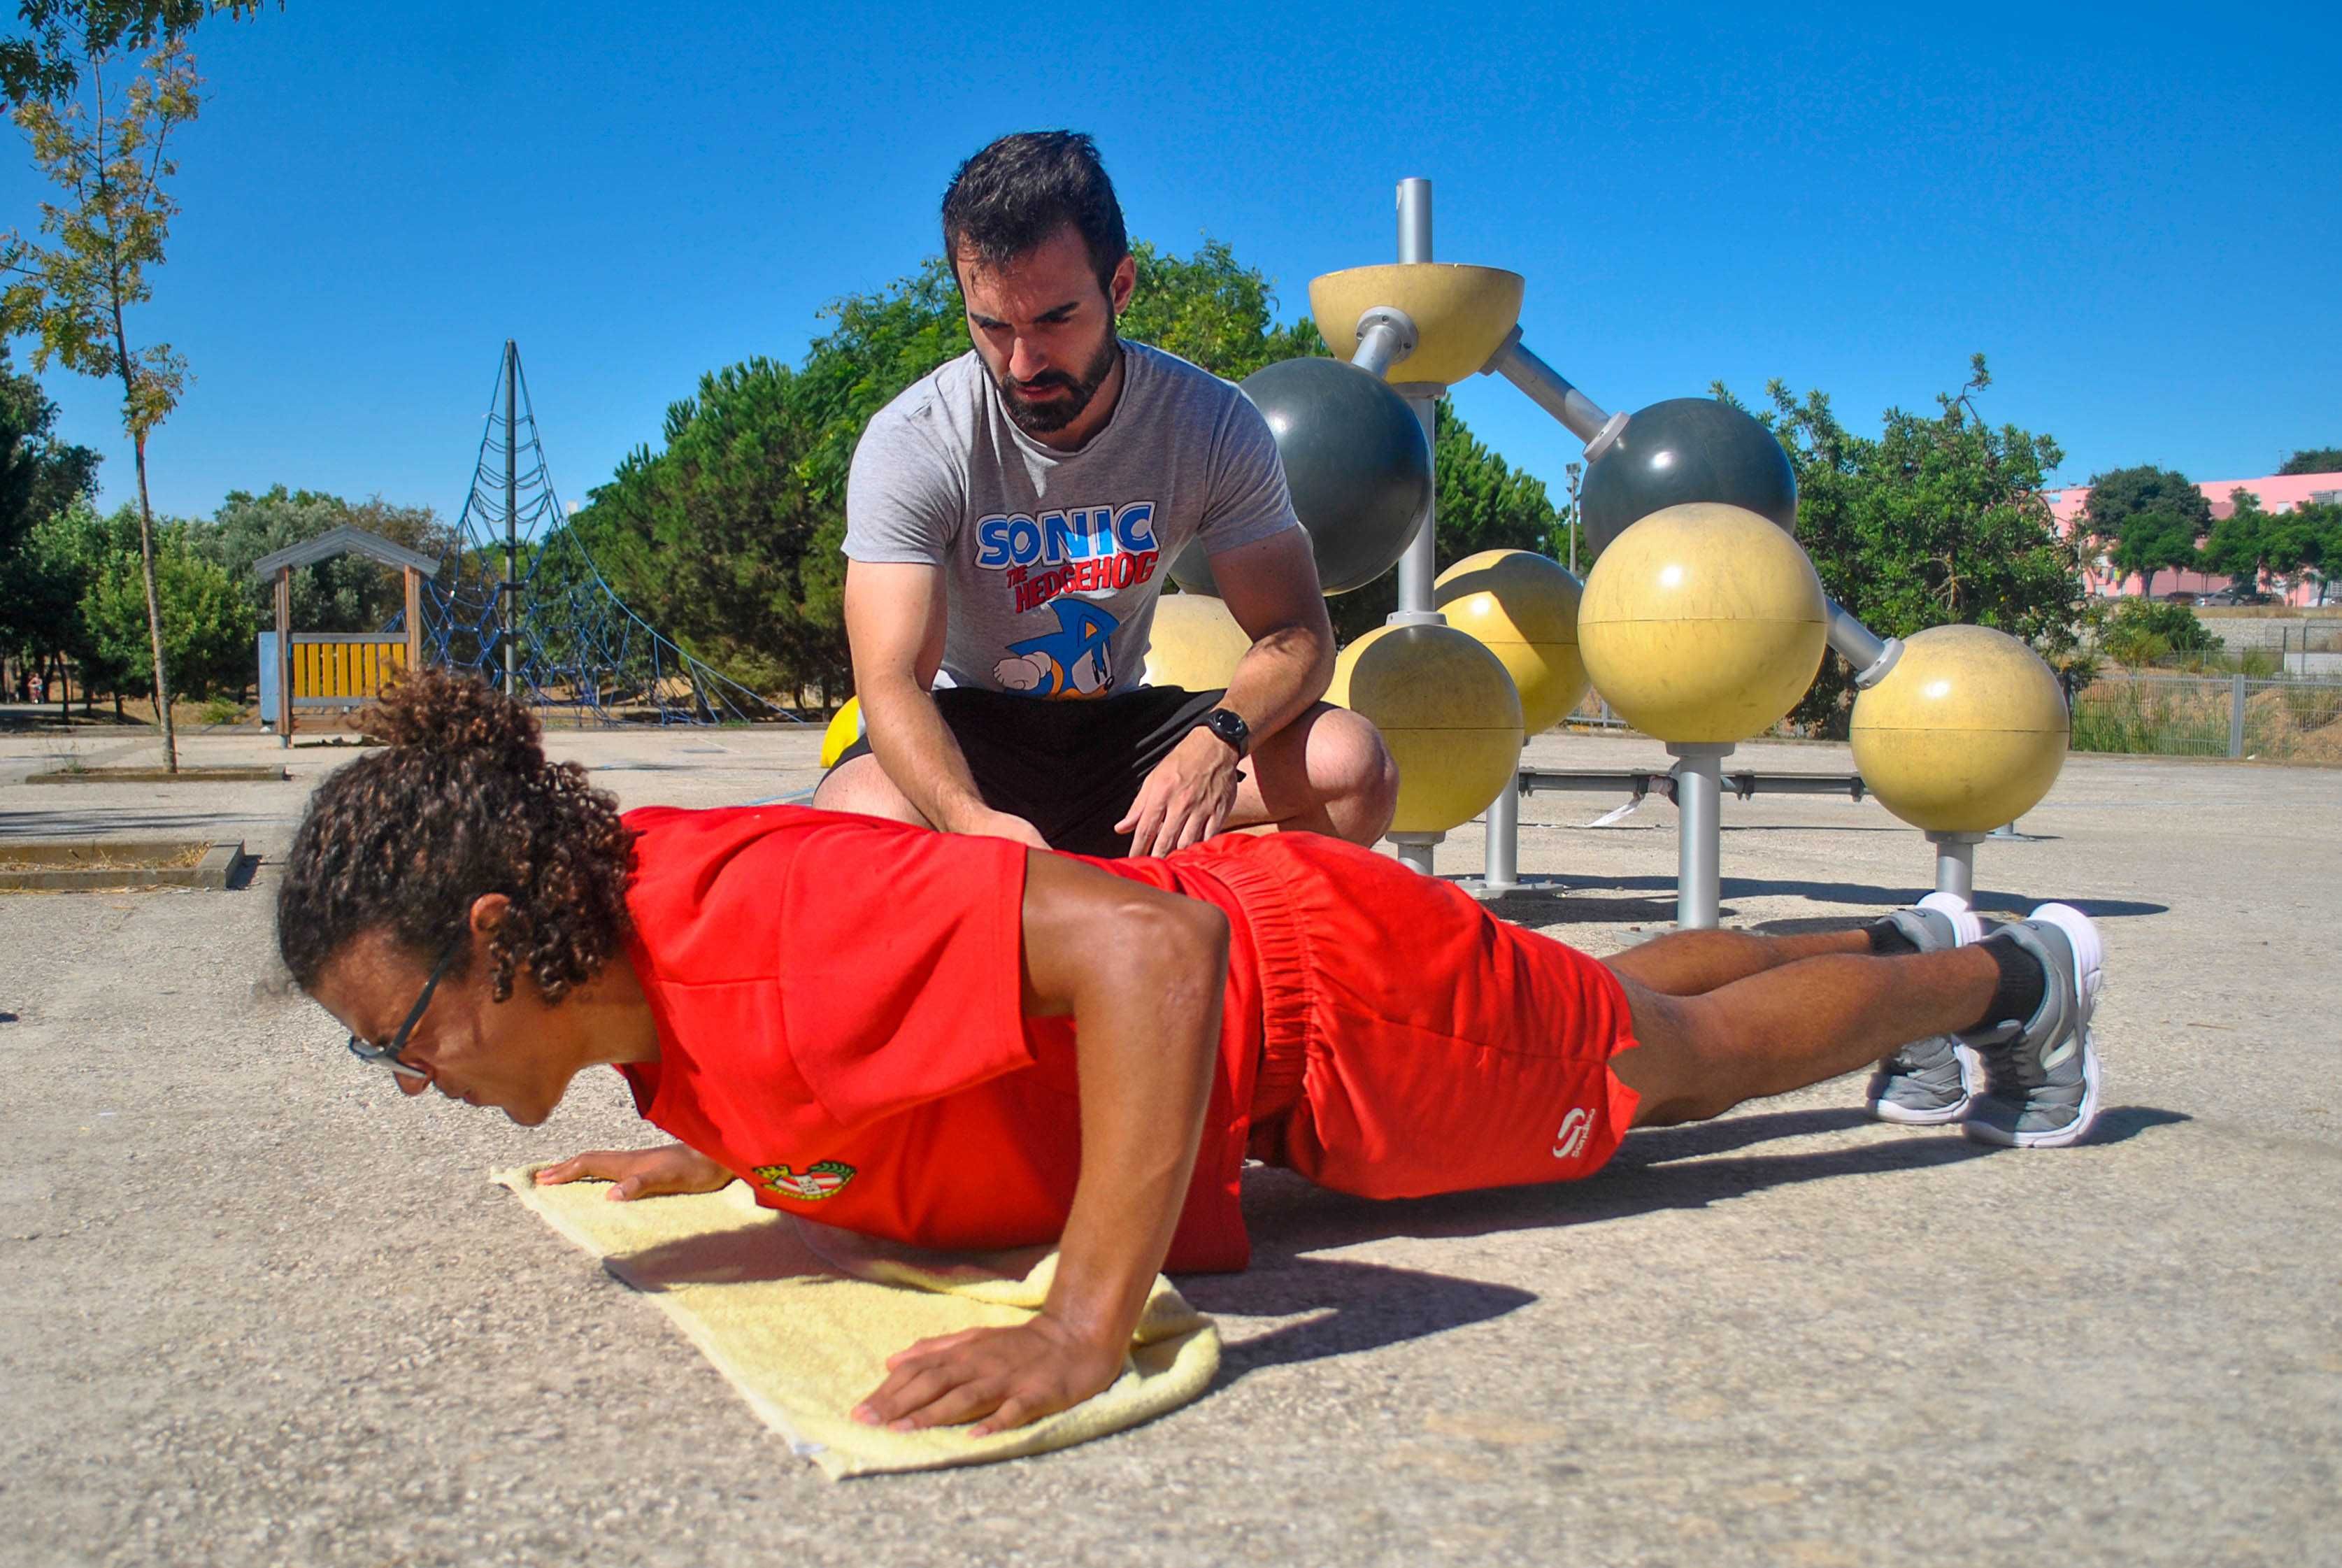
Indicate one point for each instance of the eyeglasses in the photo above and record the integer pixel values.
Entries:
(390, 1055)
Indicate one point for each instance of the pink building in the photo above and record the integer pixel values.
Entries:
(2278, 493)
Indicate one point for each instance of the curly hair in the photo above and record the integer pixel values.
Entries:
(463, 802)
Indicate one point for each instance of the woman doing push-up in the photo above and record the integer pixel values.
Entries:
(959, 1043)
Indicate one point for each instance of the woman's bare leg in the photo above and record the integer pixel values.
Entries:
(1790, 1026)
(1690, 962)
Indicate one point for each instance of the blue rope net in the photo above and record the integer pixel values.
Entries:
(577, 647)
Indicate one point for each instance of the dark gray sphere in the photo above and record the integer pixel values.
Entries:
(1683, 450)
(1355, 460)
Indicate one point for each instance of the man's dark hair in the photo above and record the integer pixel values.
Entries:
(1022, 189)
(462, 801)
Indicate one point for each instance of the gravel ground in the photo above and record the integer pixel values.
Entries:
(258, 1310)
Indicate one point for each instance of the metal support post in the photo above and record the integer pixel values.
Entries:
(2235, 715)
(1955, 864)
(1699, 831)
(1386, 335)
(1418, 601)
(1551, 391)
(508, 605)
(1871, 655)
(1415, 849)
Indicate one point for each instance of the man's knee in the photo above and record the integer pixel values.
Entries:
(1354, 773)
(858, 784)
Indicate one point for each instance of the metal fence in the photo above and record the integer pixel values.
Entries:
(2211, 716)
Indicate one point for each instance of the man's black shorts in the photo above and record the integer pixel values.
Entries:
(1070, 767)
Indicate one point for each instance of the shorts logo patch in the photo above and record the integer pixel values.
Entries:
(1570, 1141)
(822, 1179)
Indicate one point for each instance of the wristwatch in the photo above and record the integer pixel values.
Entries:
(1230, 727)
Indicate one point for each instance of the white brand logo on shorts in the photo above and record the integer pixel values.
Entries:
(1571, 1139)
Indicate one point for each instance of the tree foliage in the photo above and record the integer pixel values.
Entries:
(351, 594)
(208, 619)
(40, 476)
(1939, 519)
(2152, 517)
(60, 36)
(2313, 460)
(729, 536)
(106, 148)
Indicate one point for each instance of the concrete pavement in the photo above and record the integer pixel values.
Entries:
(256, 1308)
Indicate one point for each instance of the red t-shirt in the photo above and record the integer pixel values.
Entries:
(840, 1021)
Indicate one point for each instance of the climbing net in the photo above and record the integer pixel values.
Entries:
(575, 644)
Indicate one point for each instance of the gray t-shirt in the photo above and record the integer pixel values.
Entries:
(1052, 560)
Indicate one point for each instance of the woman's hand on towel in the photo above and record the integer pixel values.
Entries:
(998, 1377)
(659, 1172)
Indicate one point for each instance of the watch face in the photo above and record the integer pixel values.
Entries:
(1229, 728)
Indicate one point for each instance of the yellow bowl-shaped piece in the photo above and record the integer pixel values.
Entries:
(845, 729)
(1447, 710)
(1194, 643)
(1702, 623)
(1523, 608)
(1462, 315)
(1965, 734)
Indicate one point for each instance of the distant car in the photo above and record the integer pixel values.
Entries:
(2234, 597)
(2179, 596)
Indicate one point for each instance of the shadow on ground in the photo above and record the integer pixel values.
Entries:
(1654, 898)
(1368, 1306)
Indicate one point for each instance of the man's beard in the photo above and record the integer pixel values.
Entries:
(1047, 418)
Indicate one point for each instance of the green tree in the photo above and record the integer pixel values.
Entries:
(2151, 516)
(39, 477)
(107, 153)
(350, 593)
(64, 554)
(2313, 460)
(1940, 519)
(61, 35)
(708, 537)
(2240, 544)
(210, 620)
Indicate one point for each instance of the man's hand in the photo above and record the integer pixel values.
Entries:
(641, 1173)
(1186, 799)
(1006, 1376)
(985, 823)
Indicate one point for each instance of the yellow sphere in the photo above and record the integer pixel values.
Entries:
(845, 729)
(1702, 623)
(1523, 608)
(1194, 643)
(1965, 734)
(1448, 712)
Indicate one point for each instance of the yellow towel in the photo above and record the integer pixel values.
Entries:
(802, 1317)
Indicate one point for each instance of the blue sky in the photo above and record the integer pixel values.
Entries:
(2131, 210)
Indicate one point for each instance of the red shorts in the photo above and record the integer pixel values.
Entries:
(1413, 1043)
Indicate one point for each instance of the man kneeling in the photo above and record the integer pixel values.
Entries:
(959, 1043)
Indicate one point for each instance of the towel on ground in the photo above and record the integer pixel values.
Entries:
(801, 1318)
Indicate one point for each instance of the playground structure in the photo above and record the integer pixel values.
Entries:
(552, 631)
(329, 669)
(1701, 622)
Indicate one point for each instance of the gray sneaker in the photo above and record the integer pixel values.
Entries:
(1927, 1082)
(2041, 1076)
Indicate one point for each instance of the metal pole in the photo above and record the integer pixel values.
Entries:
(1955, 865)
(1577, 472)
(1699, 831)
(1500, 867)
(1418, 601)
(512, 518)
(2237, 715)
(1871, 655)
(1551, 391)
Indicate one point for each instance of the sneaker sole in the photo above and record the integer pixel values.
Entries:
(2089, 978)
